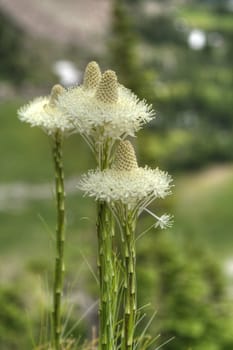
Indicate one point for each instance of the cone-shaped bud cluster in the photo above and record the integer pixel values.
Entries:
(56, 91)
(125, 157)
(92, 75)
(107, 91)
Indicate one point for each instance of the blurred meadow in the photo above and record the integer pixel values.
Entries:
(178, 56)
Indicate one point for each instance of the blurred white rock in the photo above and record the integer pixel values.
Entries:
(197, 39)
(67, 72)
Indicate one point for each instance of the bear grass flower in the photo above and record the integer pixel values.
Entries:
(104, 113)
(128, 189)
(44, 113)
(103, 107)
(126, 183)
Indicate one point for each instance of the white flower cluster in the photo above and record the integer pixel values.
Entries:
(87, 112)
(44, 113)
(126, 185)
(98, 109)
(137, 186)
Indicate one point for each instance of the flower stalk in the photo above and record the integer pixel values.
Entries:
(45, 113)
(130, 283)
(105, 232)
(60, 240)
(106, 93)
(127, 189)
(106, 262)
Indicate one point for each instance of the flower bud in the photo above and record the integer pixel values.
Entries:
(125, 157)
(107, 91)
(56, 91)
(92, 75)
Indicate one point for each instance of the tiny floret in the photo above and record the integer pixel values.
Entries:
(44, 113)
(164, 221)
(107, 91)
(92, 75)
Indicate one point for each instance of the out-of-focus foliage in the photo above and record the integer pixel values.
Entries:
(124, 54)
(25, 315)
(188, 291)
(12, 52)
(192, 88)
(180, 149)
(12, 320)
(22, 60)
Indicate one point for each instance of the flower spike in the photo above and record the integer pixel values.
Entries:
(107, 91)
(56, 91)
(92, 75)
(125, 157)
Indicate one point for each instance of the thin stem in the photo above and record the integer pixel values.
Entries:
(60, 240)
(130, 294)
(107, 277)
(107, 262)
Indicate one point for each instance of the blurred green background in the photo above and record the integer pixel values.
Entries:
(176, 54)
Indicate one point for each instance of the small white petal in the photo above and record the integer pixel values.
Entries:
(164, 221)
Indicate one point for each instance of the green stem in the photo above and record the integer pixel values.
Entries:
(60, 240)
(107, 266)
(106, 277)
(130, 295)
